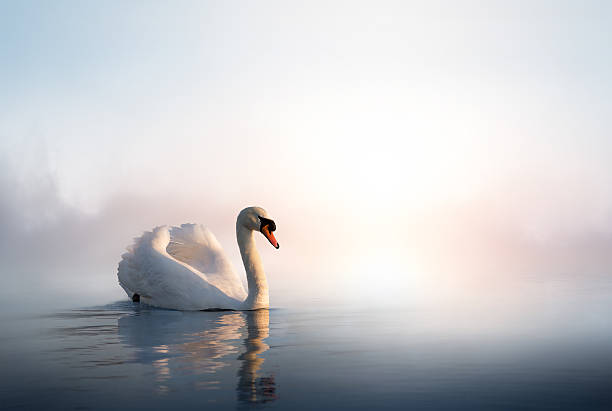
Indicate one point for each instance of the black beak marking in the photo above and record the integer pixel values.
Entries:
(266, 222)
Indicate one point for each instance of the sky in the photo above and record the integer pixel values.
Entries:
(406, 150)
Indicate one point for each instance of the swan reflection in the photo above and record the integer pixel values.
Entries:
(251, 387)
(200, 349)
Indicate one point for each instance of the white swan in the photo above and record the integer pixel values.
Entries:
(185, 268)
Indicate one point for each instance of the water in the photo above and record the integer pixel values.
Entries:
(128, 356)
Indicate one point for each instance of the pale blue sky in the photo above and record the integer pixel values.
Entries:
(131, 81)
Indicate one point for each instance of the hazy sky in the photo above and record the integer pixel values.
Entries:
(390, 140)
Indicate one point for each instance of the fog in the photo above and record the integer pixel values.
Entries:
(483, 247)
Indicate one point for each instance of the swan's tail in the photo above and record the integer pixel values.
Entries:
(126, 271)
(133, 264)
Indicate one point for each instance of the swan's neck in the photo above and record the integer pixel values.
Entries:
(256, 278)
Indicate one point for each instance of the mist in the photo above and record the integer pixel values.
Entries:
(487, 246)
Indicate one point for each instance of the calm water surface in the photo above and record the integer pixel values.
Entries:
(124, 355)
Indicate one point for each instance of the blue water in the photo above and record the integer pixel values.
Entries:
(128, 356)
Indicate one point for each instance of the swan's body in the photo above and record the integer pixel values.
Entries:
(185, 268)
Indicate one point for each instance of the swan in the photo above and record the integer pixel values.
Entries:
(185, 268)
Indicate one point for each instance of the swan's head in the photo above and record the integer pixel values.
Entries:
(257, 219)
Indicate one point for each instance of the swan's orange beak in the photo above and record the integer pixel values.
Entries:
(265, 230)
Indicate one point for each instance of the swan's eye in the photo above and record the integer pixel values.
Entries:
(266, 222)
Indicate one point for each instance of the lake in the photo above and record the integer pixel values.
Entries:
(555, 354)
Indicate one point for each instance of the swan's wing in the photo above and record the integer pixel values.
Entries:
(161, 280)
(196, 246)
